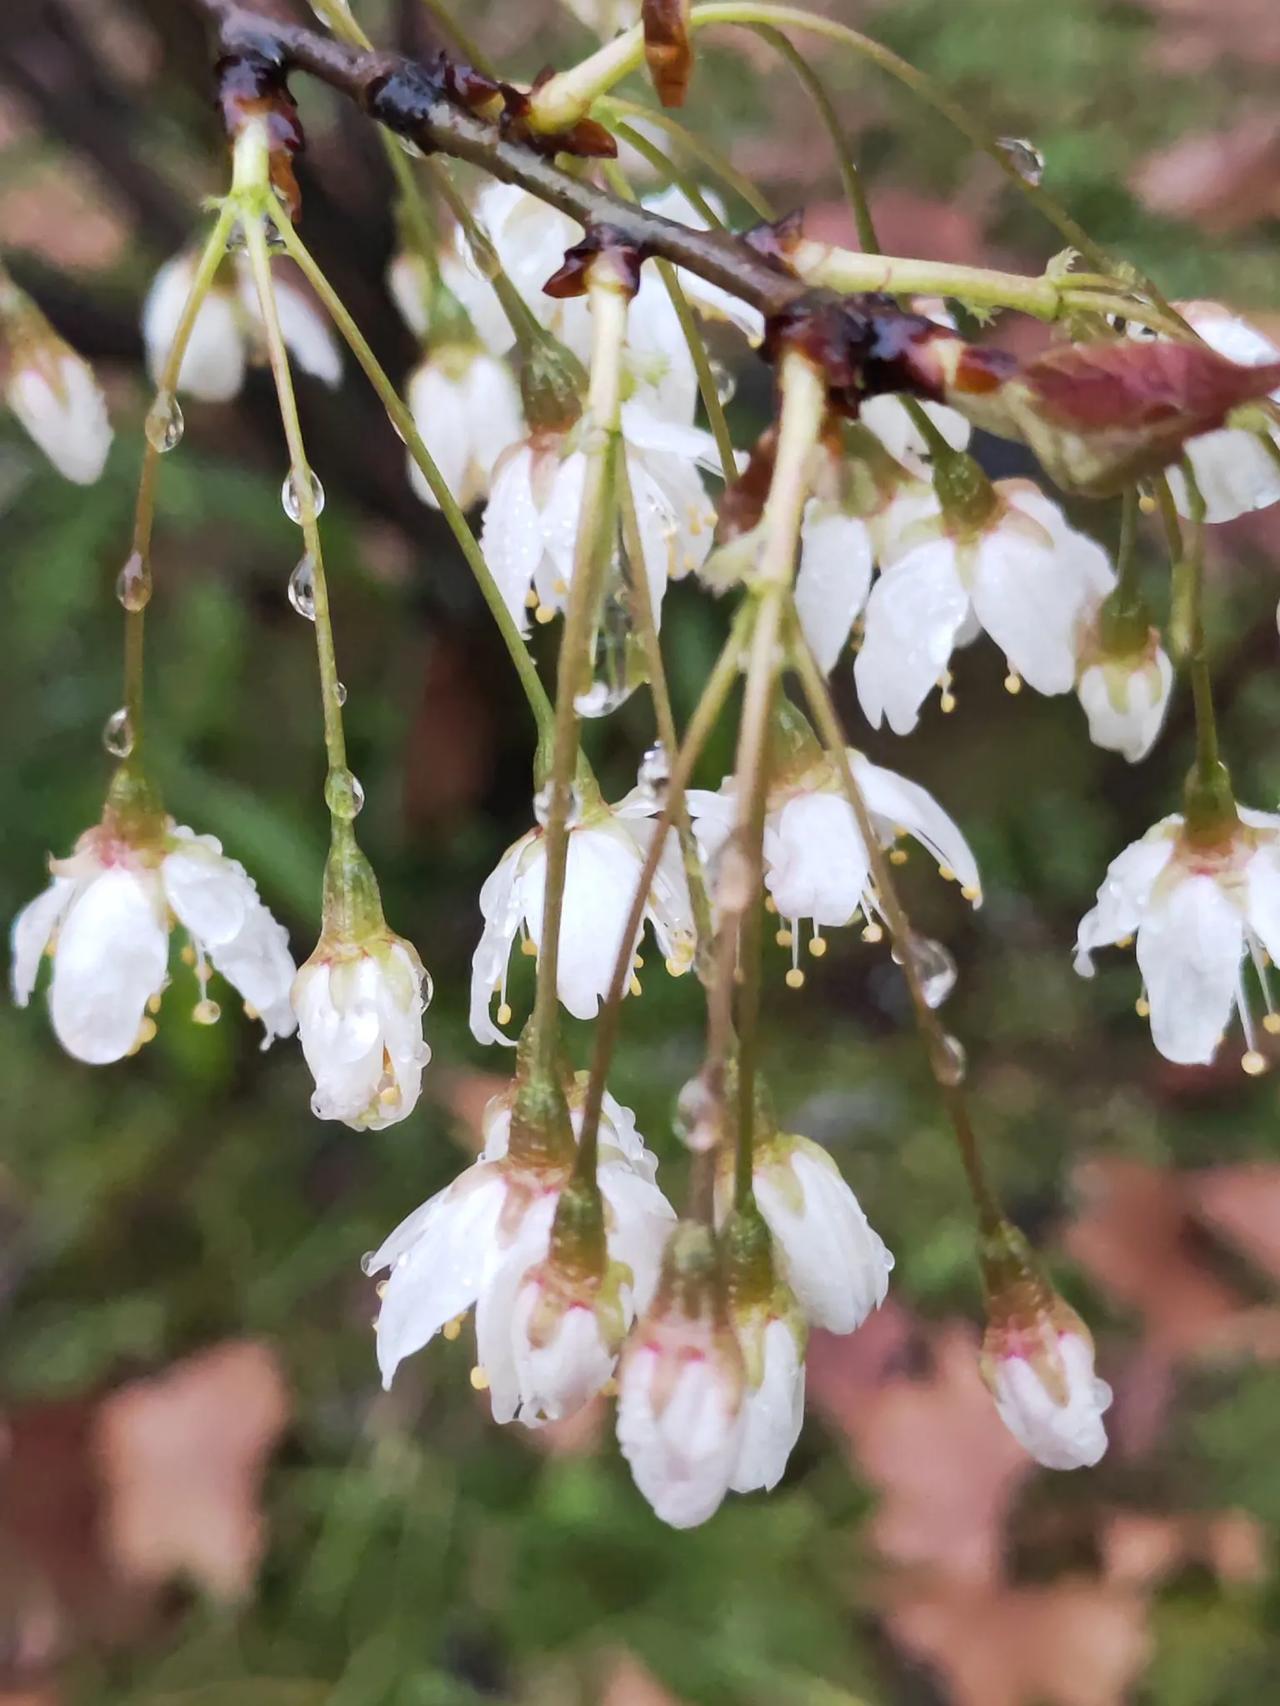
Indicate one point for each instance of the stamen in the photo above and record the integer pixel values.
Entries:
(188, 955)
(1253, 1063)
(531, 598)
(897, 855)
(971, 894)
(946, 873)
(479, 1379)
(451, 1329)
(1142, 1007)
(634, 985)
(783, 937)
(794, 978)
(504, 1013)
(873, 932)
(381, 1287)
(818, 946)
(1124, 941)
(1013, 682)
(153, 1004)
(206, 1012)
(544, 613)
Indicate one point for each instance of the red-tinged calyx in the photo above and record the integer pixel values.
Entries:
(1210, 818)
(352, 912)
(1025, 1316)
(133, 812)
(541, 1135)
(691, 1284)
(253, 87)
(605, 253)
(967, 497)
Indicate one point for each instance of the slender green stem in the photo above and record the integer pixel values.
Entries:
(597, 523)
(304, 493)
(528, 331)
(698, 148)
(850, 176)
(403, 422)
(697, 732)
(1208, 757)
(670, 171)
(802, 412)
(1127, 548)
(211, 258)
(934, 1037)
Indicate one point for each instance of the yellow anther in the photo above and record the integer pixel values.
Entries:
(188, 955)
(770, 904)
(610, 1388)
(250, 1011)
(504, 1013)
(898, 856)
(634, 985)
(153, 1004)
(206, 1012)
(1253, 1062)
(784, 938)
(970, 893)
(531, 598)
(1013, 682)
(1124, 942)
(146, 1033)
(818, 946)
(390, 1097)
(560, 587)
(675, 967)
(1271, 1024)
(529, 946)
(638, 962)
(873, 933)
(479, 1379)
(795, 978)
(381, 1287)
(452, 1329)
(947, 703)
(1142, 1007)
(946, 873)
(1147, 504)
(544, 613)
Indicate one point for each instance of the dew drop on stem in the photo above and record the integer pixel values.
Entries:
(343, 794)
(1025, 158)
(164, 423)
(133, 583)
(302, 587)
(654, 774)
(934, 967)
(291, 498)
(950, 1061)
(117, 734)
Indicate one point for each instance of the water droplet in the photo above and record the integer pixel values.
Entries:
(291, 498)
(271, 231)
(695, 1119)
(428, 988)
(117, 734)
(617, 663)
(302, 587)
(935, 968)
(1023, 155)
(236, 244)
(133, 583)
(726, 381)
(654, 774)
(164, 422)
(340, 693)
(343, 794)
(542, 805)
(950, 1062)
(368, 1263)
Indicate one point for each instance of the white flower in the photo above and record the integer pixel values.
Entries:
(466, 406)
(228, 329)
(889, 420)
(1047, 1393)
(411, 287)
(816, 864)
(1125, 697)
(1196, 906)
(710, 299)
(359, 1007)
(1026, 578)
(54, 394)
(681, 1411)
(1236, 470)
(607, 848)
(547, 1334)
(531, 520)
(824, 1248)
(106, 917)
(773, 1352)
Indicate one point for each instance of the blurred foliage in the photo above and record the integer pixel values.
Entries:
(417, 1555)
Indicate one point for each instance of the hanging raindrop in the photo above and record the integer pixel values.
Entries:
(117, 734)
(291, 498)
(695, 1119)
(654, 774)
(339, 691)
(726, 381)
(302, 587)
(164, 423)
(935, 968)
(950, 1062)
(343, 794)
(617, 658)
(133, 583)
(1023, 155)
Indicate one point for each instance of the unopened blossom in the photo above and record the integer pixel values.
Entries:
(1236, 469)
(105, 921)
(1041, 1375)
(548, 1330)
(466, 406)
(607, 849)
(1125, 694)
(1021, 573)
(825, 1249)
(1200, 902)
(228, 333)
(816, 865)
(771, 1333)
(52, 391)
(890, 420)
(681, 1387)
(531, 521)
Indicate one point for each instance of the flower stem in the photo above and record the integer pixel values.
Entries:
(403, 422)
(211, 258)
(802, 411)
(596, 527)
(936, 1041)
(304, 494)
(697, 147)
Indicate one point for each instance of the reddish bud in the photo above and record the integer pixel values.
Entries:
(251, 86)
(603, 244)
(775, 240)
(668, 50)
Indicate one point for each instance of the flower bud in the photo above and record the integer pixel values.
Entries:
(52, 390)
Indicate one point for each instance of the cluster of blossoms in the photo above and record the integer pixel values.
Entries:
(582, 1277)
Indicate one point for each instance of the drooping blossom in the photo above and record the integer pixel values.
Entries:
(105, 921)
(607, 849)
(1124, 694)
(1200, 906)
(466, 406)
(1042, 1378)
(52, 391)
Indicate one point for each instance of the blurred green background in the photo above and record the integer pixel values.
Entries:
(411, 1552)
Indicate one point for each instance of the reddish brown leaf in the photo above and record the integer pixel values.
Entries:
(668, 50)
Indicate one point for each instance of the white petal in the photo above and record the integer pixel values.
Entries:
(888, 419)
(1125, 892)
(32, 929)
(682, 1455)
(500, 903)
(640, 1220)
(774, 1413)
(1060, 1436)
(213, 362)
(499, 1332)
(833, 580)
(816, 864)
(1126, 705)
(902, 804)
(1029, 597)
(1189, 946)
(915, 610)
(1262, 903)
(603, 868)
(558, 1378)
(61, 405)
(111, 958)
